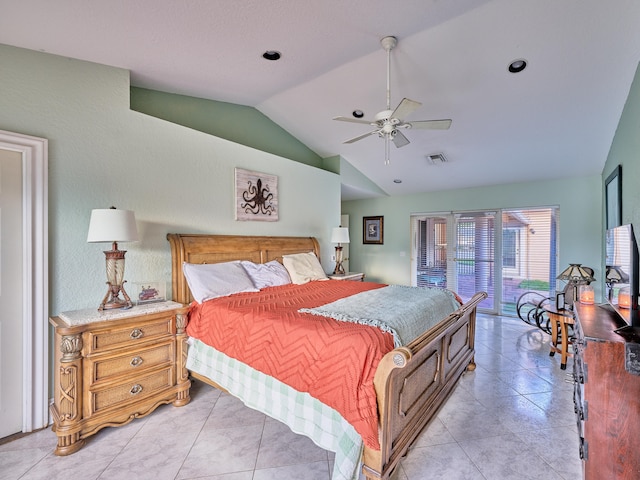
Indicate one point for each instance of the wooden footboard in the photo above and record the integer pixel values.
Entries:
(413, 382)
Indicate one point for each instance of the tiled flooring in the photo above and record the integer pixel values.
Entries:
(512, 418)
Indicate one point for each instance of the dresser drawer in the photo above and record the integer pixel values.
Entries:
(130, 391)
(103, 368)
(99, 340)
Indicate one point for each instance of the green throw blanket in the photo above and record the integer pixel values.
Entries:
(405, 312)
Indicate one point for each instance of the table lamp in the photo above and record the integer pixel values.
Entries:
(339, 235)
(112, 226)
(576, 275)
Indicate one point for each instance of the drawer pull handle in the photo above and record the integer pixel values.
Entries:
(136, 362)
(136, 389)
(136, 333)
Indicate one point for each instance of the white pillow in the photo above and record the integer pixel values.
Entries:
(270, 274)
(212, 280)
(303, 267)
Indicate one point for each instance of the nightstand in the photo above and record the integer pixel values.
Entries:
(116, 365)
(353, 276)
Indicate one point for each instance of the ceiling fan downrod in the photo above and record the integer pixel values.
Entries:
(389, 43)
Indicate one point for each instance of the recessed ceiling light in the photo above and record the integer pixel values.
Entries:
(517, 65)
(397, 180)
(271, 55)
(358, 113)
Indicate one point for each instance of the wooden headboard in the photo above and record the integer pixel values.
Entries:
(197, 248)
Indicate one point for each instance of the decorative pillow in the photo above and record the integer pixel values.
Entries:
(212, 280)
(303, 267)
(270, 274)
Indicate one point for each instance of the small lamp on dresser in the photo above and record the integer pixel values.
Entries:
(575, 274)
(339, 235)
(112, 226)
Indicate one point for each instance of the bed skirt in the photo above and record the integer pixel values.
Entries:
(302, 413)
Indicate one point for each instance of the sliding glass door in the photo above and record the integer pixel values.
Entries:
(461, 251)
(475, 256)
(431, 267)
(529, 254)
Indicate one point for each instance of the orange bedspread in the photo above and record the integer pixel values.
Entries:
(333, 361)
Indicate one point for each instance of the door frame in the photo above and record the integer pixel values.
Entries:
(35, 261)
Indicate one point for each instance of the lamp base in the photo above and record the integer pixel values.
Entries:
(112, 299)
(339, 270)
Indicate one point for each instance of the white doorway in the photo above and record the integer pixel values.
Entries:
(30, 356)
(11, 292)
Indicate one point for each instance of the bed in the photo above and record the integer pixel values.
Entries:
(410, 382)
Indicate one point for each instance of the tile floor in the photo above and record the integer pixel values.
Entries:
(512, 418)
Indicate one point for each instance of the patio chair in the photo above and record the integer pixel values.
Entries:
(530, 305)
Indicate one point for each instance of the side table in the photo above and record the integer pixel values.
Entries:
(114, 366)
(559, 319)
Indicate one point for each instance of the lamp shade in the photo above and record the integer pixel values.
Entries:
(112, 225)
(574, 273)
(340, 235)
(615, 274)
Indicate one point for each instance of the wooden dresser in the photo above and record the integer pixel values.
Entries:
(114, 366)
(606, 395)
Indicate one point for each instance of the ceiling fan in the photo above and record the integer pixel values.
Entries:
(388, 122)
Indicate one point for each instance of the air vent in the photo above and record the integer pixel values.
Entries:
(436, 158)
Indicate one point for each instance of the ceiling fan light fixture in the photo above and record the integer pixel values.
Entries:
(388, 122)
(517, 65)
(272, 55)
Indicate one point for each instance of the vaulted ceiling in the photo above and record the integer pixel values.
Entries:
(555, 119)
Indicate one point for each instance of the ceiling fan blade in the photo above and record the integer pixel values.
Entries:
(431, 124)
(404, 108)
(399, 140)
(353, 120)
(360, 137)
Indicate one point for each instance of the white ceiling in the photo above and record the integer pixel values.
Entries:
(555, 119)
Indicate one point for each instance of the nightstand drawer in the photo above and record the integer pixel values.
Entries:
(100, 340)
(130, 364)
(133, 390)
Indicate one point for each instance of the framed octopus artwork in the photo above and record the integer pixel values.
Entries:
(256, 196)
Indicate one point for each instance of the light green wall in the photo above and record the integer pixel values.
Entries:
(238, 123)
(625, 151)
(580, 231)
(176, 179)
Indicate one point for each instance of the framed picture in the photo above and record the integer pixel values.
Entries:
(373, 230)
(148, 292)
(613, 198)
(256, 196)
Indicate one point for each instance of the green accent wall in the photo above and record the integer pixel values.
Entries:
(625, 151)
(237, 123)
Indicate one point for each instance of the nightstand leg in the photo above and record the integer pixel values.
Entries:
(67, 408)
